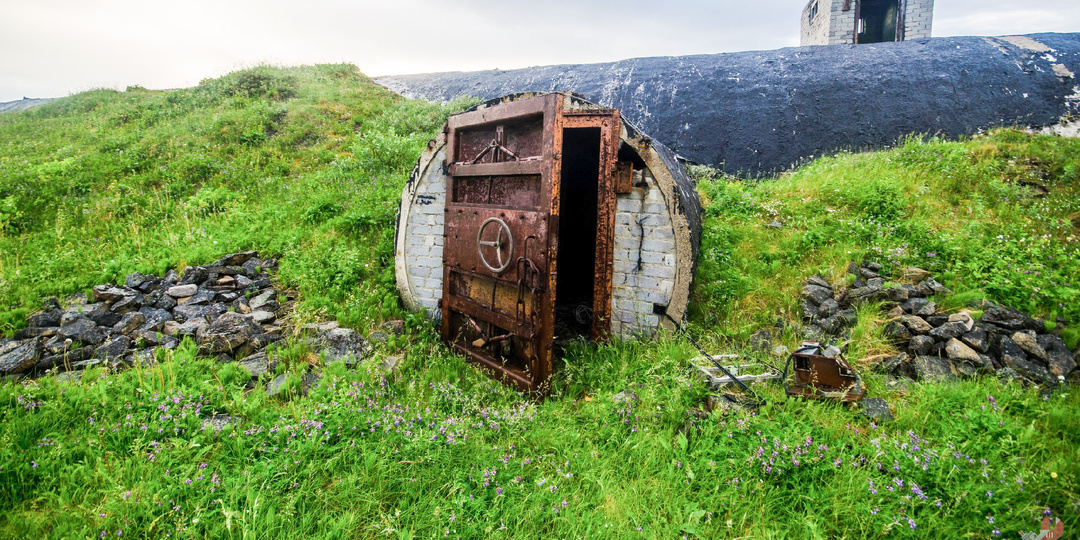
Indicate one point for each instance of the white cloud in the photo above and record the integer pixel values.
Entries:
(56, 47)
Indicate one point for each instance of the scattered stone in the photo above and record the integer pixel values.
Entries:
(257, 364)
(182, 291)
(1029, 370)
(227, 333)
(965, 370)
(378, 336)
(819, 281)
(897, 332)
(277, 385)
(828, 308)
(929, 309)
(625, 397)
(1026, 340)
(83, 330)
(916, 324)
(948, 330)
(129, 323)
(69, 376)
(936, 320)
(932, 368)
(762, 339)
(395, 327)
(46, 319)
(262, 317)
(774, 225)
(262, 299)
(1008, 319)
(218, 422)
(816, 294)
(898, 294)
(155, 318)
(781, 351)
(977, 339)
(912, 274)
(113, 349)
(876, 409)
(17, 356)
(957, 350)
(112, 293)
(389, 364)
(897, 385)
(964, 317)
(202, 296)
(308, 381)
(342, 343)
(236, 259)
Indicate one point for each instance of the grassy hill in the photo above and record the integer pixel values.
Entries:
(307, 164)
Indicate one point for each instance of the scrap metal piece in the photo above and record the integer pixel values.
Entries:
(747, 373)
(823, 377)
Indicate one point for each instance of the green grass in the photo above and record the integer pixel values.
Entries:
(307, 164)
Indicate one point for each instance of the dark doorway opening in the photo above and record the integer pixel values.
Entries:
(878, 20)
(576, 263)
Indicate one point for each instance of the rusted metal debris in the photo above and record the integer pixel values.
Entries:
(818, 376)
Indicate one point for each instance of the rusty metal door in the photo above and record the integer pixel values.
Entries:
(501, 243)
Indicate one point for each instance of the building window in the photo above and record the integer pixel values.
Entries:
(813, 11)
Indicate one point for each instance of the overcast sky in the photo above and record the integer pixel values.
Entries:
(52, 48)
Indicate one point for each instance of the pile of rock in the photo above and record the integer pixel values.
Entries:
(1003, 341)
(229, 308)
(937, 345)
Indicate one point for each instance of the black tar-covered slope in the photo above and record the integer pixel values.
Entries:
(761, 111)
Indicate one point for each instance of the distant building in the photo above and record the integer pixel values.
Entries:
(835, 22)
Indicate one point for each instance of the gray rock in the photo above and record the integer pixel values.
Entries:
(257, 364)
(395, 327)
(876, 409)
(236, 259)
(781, 351)
(832, 325)
(262, 299)
(1008, 319)
(849, 316)
(18, 356)
(930, 286)
(897, 332)
(164, 302)
(219, 422)
(929, 309)
(227, 333)
(774, 225)
(977, 339)
(873, 266)
(818, 281)
(912, 274)
(868, 273)
(1029, 370)
(83, 330)
(113, 349)
(241, 306)
(932, 368)
(308, 381)
(262, 317)
(187, 313)
(957, 350)
(828, 308)
(936, 320)
(202, 296)
(812, 332)
(64, 359)
(920, 346)
(45, 319)
(342, 343)
(1008, 374)
(69, 376)
(129, 323)
(898, 294)
(127, 304)
(816, 294)
(390, 364)
(808, 309)
(965, 370)
(948, 330)
(150, 338)
(112, 293)
(877, 283)
(154, 319)
(193, 275)
(135, 279)
(378, 336)
(277, 385)
(969, 323)
(251, 268)
(33, 332)
(182, 291)
(761, 340)
(1026, 340)
(1061, 361)
(916, 324)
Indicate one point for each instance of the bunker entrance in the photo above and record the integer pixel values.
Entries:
(576, 263)
(878, 21)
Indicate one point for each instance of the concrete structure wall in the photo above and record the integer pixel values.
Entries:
(834, 26)
(658, 222)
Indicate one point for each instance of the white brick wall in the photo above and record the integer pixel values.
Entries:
(424, 236)
(634, 290)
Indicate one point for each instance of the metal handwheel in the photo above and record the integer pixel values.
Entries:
(497, 243)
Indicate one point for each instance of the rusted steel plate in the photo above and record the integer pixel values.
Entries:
(624, 177)
(509, 192)
(823, 377)
(527, 231)
(495, 169)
